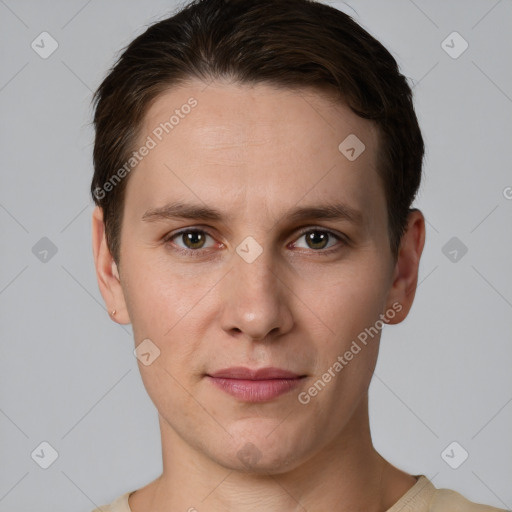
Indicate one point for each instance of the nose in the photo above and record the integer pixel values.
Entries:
(256, 301)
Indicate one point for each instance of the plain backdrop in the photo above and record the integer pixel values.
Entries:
(67, 372)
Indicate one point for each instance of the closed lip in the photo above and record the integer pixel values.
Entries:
(240, 372)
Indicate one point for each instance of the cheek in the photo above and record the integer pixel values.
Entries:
(348, 301)
(171, 306)
(159, 297)
(347, 354)
(162, 306)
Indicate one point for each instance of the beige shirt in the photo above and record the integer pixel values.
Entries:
(421, 497)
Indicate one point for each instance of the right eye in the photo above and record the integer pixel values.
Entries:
(193, 240)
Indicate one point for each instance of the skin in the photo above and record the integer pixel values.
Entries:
(255, 153)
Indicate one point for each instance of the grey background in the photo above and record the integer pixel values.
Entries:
(68, 374)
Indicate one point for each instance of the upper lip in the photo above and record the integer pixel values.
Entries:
(240, 372)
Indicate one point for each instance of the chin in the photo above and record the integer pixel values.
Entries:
(262, 453)
(251, 460)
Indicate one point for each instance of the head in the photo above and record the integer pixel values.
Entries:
(283, 137)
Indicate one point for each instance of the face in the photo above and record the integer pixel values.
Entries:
(249, 239)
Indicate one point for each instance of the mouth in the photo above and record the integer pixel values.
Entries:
(259, 385)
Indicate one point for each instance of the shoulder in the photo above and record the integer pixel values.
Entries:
(425, 497)
(446, 500)
(118, 505)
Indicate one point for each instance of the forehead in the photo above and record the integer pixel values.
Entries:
(255, 147)
(227, 115)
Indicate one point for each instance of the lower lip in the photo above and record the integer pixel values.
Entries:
(255, 390)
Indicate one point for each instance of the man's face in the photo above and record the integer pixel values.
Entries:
(259, 287)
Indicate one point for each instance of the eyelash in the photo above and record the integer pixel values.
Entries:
(198, 252)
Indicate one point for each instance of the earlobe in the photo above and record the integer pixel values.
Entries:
(405, 278)
(107, 272)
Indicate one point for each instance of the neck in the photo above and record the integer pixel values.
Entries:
(347, 474)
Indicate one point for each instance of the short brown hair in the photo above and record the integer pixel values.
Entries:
(290, 43)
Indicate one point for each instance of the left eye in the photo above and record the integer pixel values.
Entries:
(317, 239)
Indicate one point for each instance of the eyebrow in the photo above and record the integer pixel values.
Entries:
(179, 210)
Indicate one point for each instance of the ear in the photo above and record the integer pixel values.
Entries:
(405, 278)
(106, 271)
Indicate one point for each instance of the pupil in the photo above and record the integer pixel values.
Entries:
(193, 238)
(314, 239)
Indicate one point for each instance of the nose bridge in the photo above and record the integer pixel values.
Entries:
(255, 302)
(255, 266)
